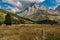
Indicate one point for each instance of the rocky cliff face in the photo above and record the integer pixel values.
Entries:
(32, 10)
(29, 11)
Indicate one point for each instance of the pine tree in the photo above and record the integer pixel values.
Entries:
(8, 19)
(1, 23)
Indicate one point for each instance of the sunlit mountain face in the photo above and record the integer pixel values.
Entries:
(18, 5)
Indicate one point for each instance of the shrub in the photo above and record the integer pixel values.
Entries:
(0, 23)
(22, 21)
(8, 19)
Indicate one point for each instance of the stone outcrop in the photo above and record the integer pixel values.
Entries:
(35, 7)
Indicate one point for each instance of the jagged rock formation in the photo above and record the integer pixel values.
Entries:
(29, 11)
(50, 11)
(43, 8)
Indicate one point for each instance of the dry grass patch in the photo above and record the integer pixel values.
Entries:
(29, 32)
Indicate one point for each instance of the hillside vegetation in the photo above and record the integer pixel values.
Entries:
(16, 18)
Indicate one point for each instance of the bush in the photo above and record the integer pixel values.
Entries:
(47, 22)
(0, 23)
(22, 21)
(8, 19)
(17, 22)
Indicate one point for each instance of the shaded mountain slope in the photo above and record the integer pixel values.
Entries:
(58, 8)
(37, 13)
(43, 15)
(47, 22)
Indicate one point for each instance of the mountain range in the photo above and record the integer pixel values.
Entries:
(32, 9)
(37, 13)
(34, 13)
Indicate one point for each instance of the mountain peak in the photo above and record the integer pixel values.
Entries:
(58, 8)
(42, 8)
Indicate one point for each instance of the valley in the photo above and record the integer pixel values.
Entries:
(29, 19)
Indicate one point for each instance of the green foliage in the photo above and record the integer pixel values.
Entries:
(18, 22)
(22, 21)
(8, 19)
(1, 23)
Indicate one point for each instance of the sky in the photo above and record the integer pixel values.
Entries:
(18, 5)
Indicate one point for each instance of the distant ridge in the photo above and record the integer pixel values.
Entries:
(58, 8)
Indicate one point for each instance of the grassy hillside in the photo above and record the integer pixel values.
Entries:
(30, 32)
(3, 13)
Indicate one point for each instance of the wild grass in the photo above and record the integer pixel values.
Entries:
(29, 32)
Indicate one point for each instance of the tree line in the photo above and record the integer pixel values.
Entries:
(9, 20)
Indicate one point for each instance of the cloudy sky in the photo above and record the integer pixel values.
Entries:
(18, 5)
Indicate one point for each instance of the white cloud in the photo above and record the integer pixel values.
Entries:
(21, 3)
(13, 2)
(24, 0)
(57, 4)
(54, 7)
(13, 9)
(57, 1)
(0, 7)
